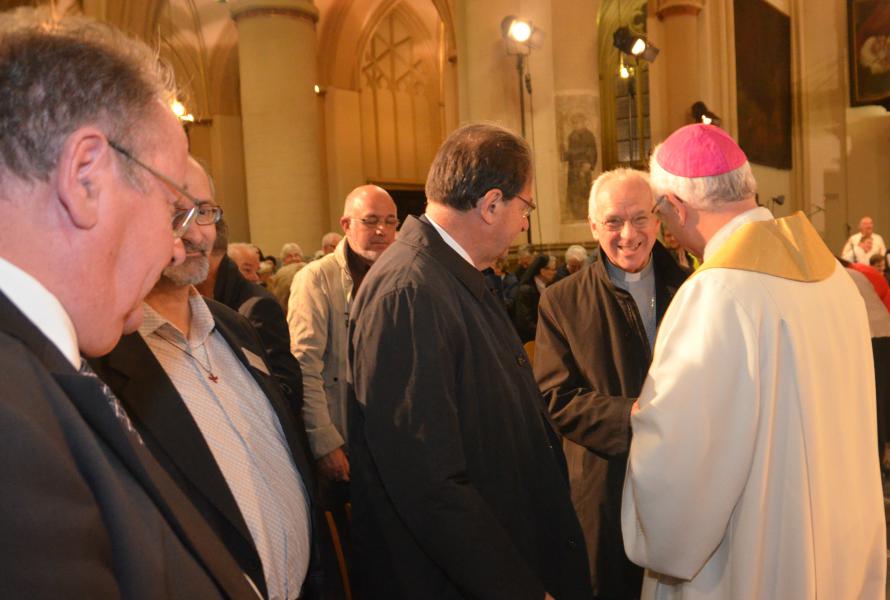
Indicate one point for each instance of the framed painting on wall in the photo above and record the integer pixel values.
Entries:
(869, 51)
(763, 82)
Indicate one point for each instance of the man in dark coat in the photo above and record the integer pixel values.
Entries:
(90, 157)
(458, 483)
(596, 330)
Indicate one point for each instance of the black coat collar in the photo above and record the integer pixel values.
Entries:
(421, 234)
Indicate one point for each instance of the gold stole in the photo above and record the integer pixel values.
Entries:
(789, 248)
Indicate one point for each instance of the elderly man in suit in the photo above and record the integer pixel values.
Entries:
(596, 330)
(197, 386)
(90, 158)
(458, 483)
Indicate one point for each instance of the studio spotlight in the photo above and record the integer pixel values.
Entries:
(516, 29)
(701, 114)
(633, 44)
(520, 35)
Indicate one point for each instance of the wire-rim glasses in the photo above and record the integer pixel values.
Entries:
(183, 217)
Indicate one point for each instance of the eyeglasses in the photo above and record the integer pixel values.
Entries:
(531, 206)
(657, 206)
(639, 222)
(182, 218)
(375, 222)
(208, 213)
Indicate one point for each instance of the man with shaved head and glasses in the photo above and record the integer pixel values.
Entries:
(596, 330)
(459, 486)
(318, 313)
(198, 387)
(92, 162)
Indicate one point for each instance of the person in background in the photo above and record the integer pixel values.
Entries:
(247, 259)
(863, 245)
(329, 242)
(291, 253)
(526, 254)
(575, 258)
(538, 276)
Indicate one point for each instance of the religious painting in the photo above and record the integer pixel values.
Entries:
(869, 51)
(577, 124)
(763, 82)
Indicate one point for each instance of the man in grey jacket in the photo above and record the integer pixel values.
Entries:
(317, 316)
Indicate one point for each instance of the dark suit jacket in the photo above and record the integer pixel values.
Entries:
(85, 511)
(170, 432)
(458, 484)
(591, 358)
(261, 308)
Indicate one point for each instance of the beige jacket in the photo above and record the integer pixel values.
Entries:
(317, 317)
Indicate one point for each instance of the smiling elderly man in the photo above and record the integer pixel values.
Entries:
(596, 330)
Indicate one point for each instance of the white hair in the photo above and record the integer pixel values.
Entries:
(576, 252)
(289, 248)
(620, 174)
(704, 193)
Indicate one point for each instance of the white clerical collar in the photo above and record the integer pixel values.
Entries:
(450, 241)
(723, 234)
(42, 308)
(616, 273)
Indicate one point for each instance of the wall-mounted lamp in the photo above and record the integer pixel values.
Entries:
(701, 114)
(634, 44)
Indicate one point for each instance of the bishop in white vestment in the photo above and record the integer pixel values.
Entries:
(752, 472)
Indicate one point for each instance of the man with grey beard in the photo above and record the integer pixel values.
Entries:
(196, 384)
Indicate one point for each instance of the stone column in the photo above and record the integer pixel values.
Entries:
(679, 62)
(286, 197)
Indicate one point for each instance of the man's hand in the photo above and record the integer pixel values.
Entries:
(334, 465)
(635, 408)
(548, 596)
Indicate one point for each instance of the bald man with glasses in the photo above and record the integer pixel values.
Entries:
(318, 314)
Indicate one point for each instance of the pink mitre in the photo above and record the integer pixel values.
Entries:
(699, 151)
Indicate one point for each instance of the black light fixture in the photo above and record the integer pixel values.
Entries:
(701, 114)
(634, 44)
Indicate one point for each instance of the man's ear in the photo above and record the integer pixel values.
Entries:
(488, 205)
(679, 208)
(84, 167)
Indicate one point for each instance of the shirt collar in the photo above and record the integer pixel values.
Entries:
(200, 327)
(42, 308)
(450, 241)
(723, 234)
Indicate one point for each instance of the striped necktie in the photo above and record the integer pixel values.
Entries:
(113, 402)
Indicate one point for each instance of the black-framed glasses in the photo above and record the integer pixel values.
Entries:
(208, 213)
(183, 217)
(375, 222)
(658, 202)
(530, 204)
